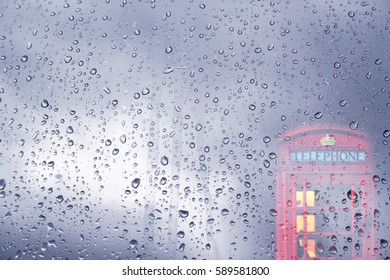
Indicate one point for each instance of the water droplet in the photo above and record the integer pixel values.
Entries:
(122, 138)
(266, 139)
(343, 103)
(273, 212)
(224, 212)
(198, 127)
(133, 243)
(378, 61)
(59, 198)
(2, 184)
(108, 142)
(352, 195)
(337, 65)
(318, 115)
(377, 213)
(24, 58)
(358, 216)
(69, 130)
(145, 91)
(386, 133)
(168, 70)
(384, 243)
(183, 213)
(182, 247)
(68, 58)
(375, 178)
(357, 246)
(225, 140)
(168, 49)
(50, 226)
(180, 234)
(115, 151)
(258, 50)
(319, 247)
(353, 125)
(332, 250)
(252, 107)
(164, 160)
(135, 183)
(44, 103)
(93, 71)
(351, 14)
(107, 90)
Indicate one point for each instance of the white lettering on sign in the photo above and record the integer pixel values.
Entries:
(328, 156)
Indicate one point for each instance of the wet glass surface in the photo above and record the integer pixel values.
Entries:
(152, 129)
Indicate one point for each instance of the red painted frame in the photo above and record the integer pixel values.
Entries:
(356, 174)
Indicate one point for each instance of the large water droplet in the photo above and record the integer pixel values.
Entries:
(107, 90)
(352, 195)
(377, 213)
(224, 212)
(198, 127)
(164, 160)
(44, 103)
(2, 184)
(68, 58)
(135, 183)
(225, 140)
(332, 250)
(145, 91)
(133, 243)
(386, 133)
(59, 198)
(319, 247)
(258, 50)
(69, 130)
(273, 212)
(353, 125)
(24, 58)
(168, 49)
(183, 213)
(168, 70)
(342, 103)
(384, 243)
(122, 138)
(318, 115)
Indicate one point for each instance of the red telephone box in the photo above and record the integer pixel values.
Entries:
(325, 196)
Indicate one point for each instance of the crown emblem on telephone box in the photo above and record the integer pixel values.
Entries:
(328, 140)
